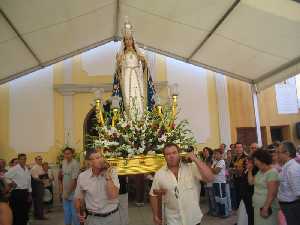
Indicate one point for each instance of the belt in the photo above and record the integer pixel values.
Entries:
(102, 214)
(20, 190)
(289, 203)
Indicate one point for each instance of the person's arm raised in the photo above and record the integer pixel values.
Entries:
(205, 172)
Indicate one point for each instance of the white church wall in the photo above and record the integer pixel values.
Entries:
(31, 112)
(193, 96)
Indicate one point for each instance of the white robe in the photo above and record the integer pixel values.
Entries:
(133, 81)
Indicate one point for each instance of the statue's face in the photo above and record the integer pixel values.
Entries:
(128, 42)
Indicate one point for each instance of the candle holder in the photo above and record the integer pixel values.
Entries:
(159, 110)
(174, 106)
(115, 104)
(115, 117)
(158, 106)
(99, 114)
(174, 93)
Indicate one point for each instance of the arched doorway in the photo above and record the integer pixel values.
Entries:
(89, 131)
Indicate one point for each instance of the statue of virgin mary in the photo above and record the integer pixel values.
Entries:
(132, 80)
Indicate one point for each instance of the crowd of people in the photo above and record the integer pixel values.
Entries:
(265, 182)
(23, 186)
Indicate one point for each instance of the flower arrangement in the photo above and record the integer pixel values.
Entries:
(141, 134)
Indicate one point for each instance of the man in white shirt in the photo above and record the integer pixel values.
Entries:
(289, 188)
(179, 185)
(21, 196)
(38, 188)
(219, 183)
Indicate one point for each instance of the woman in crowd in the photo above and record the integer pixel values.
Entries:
(48, 179)
(266, 183)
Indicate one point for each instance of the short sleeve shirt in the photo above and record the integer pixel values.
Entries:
(261, 190)
(221, 176)
(182, 195)
(289, 188)
(92, 189)
(70, 172)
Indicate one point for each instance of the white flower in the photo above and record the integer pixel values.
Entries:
(163, 138)
(140, 150)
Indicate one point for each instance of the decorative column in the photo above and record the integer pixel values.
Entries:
(68, 105)
(224, 116)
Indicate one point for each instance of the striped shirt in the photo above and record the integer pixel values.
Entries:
(289, 188)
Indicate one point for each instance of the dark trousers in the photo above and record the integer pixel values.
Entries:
(243, 194)
(247, 199)
(140, 188)
(20, 206)
(291, 212)
(37, 195)
(233, 198)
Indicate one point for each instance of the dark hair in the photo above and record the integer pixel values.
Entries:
(21, 155)
(224, 145)
(13, 160)
(133, 44)
(169, 145)
(290, 148)
(190, 148)
(263, 156)
(218, 150)
(68, 149)
(239, 143)
(90, 153)
(210, 155)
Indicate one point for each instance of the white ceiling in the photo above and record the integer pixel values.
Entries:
(252, 40)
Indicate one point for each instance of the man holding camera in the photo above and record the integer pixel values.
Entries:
(98, 187)
(178, 184)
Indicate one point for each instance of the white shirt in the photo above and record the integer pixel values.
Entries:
(289, 188)
(36, 171)
(181, 200)
(20, 176)
(92, 189)
(221, 176)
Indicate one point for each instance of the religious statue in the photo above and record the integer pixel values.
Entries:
(132, 80)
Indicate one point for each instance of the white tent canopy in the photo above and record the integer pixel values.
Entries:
(257, 41)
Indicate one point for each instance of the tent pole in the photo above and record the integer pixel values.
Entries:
(256, 113)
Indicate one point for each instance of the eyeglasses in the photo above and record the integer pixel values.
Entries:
(176, 192)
